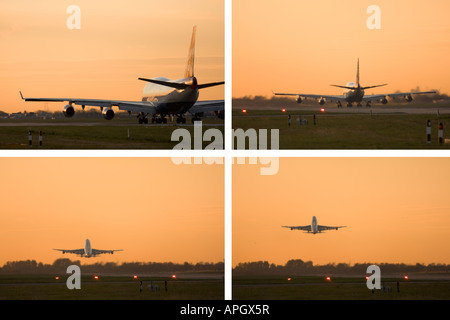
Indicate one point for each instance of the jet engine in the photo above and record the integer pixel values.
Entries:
(384, 101)
(299, 100)
(108, 113)
(408, 98)
(321, 101)
(68, 111)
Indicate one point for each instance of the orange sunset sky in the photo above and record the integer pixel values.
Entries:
(304, 46)
(397, 210)
(153, 209)
(117, 43)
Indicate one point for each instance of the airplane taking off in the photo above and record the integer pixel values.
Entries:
(87, 251)
(354, 93)
(161, 97)
(313, 227)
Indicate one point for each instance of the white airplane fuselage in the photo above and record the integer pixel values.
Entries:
(87, 249)
(353, 95)
(314, 225)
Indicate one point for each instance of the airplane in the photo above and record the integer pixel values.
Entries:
(313, 227)
(161, 97)
(87, 251)
(354, 93)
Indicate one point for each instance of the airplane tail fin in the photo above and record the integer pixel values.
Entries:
(359, 85)
(357, 80)
(189, 72)
(357, 75)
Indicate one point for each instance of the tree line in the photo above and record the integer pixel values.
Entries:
(59, 266)
(293, 267)
(297, 267)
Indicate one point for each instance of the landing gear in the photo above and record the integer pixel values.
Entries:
(339, 105)
(349, 105)
(142, 118)
(181, 119)
(368, 104)
(161, 119)
(197, 116)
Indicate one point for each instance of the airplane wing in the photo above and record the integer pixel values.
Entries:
(314, 96)
(134, 106)
(97, 251)
(75, 251)
(206, 106)
(374, 97)
(304, 228)
(137, 106)
(322, 228)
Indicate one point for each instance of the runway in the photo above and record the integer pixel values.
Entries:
(434, 110)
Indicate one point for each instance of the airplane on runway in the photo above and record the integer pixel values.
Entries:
(87, 251)
(313, 227)
(354, 93)
(161, 97)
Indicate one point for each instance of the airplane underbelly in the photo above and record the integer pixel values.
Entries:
(354, 96)
(177, 102)
(179, 107)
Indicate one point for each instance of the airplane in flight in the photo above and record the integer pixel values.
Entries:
(354, 93)
(87, 251)
(313, 227)
(161, 97)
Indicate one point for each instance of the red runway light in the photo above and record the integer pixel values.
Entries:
(406, 277)
(283, 110)
(174, 276)
(328, 278)
(96, 277)
(244, 110)
(322, 109)
(135, 277)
